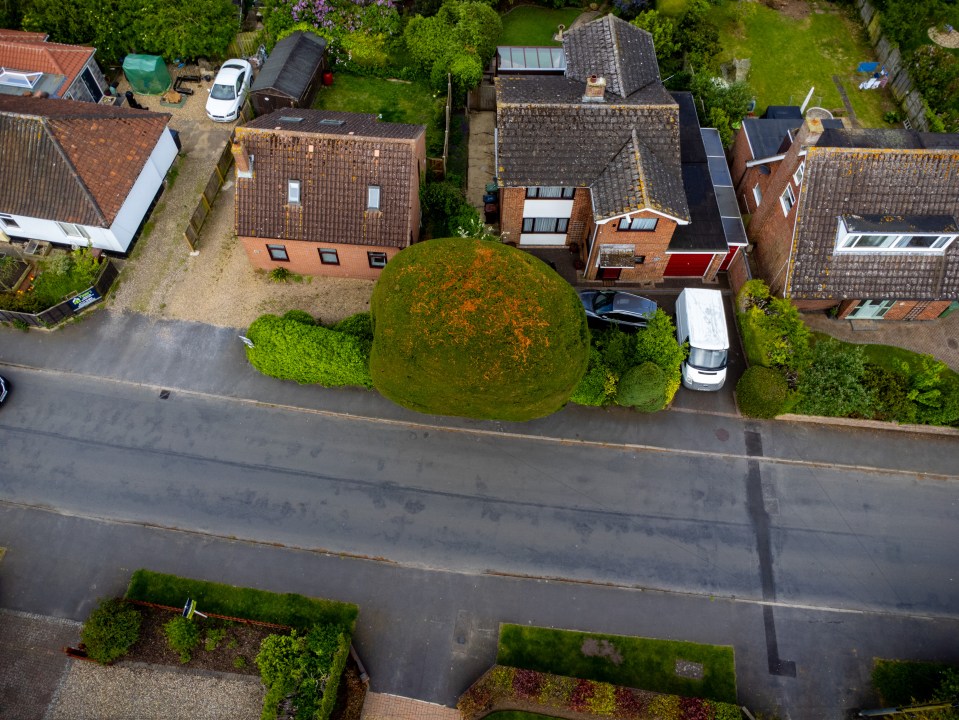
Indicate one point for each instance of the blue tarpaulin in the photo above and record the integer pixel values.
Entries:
(867, 67)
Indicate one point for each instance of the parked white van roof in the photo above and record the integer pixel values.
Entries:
(706, 318)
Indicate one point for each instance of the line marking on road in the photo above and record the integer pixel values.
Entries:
(483, 432)
(492, 574)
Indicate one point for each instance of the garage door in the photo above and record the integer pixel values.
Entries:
(687, 265)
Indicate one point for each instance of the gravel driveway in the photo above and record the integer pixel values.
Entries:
(217, 286)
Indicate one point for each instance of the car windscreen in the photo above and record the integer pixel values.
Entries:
(223, 92)
(707, 359)
(602, 302)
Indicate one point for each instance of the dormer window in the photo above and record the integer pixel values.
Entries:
(896, 233)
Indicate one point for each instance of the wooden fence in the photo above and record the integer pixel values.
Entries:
(69, 307)
(482, 97)
(208, 196)
(900, 83)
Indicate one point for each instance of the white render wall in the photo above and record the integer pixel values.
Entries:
(548, 208)
(548, 239)
(116, 238)
(144, 190)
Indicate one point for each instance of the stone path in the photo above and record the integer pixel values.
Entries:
(845, 101)
(481, 157)
(380, 706)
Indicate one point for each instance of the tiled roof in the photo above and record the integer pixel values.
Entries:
(22, 35)
(334, 164)
(330, 122)
(74, 161)
(31, 55)
(636, 180)
(613, 49)
(842, 179)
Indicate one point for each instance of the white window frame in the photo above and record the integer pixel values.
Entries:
(72, 230)
(848, 242)
(626, 224)
(293, 192)
(559, 226)
(757, 195)
(787, 200)
(800, 173)
(13, 78)
(373, 197)
(550, 192)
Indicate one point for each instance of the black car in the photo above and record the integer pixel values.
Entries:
(4, 389)
(611, 308)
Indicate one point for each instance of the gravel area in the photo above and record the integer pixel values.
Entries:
(216, 286)
(121, 692)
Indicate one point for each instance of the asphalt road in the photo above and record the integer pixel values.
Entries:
(801, 547)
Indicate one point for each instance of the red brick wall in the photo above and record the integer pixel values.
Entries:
(902, 308)
(934, 310)
(651, 244)
(745, 178)
(713, 269)
(305, 257)
(511, 213)
(738, 270)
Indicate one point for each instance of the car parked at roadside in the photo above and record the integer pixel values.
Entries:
(230, 89)
(4, 389)
(612, 308)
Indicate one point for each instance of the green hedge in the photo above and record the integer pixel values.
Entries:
(111, 630)
(290, 349)
(906, 683)
(598, 386)
(643, 387)
(761, 392)
(290, 609)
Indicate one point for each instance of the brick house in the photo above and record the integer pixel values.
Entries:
(327, 193)
(30, 64)
(863, 221)
(591, 160)
(85, 174)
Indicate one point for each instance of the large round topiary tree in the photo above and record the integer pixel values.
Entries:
(477, 329)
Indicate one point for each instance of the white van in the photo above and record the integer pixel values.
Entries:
(701, 321)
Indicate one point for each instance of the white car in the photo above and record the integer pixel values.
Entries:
(229, 91)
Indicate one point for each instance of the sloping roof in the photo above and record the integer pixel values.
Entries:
(636, 180)
(74, 161)
(33, 55)
(613, 49)
(334, 164)
(850, 176)
(22, 35)
(291, 65)
(768, 137)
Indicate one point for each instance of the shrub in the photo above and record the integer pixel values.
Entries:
(629, 9)
(761, 392)
(359, 326)
(476, 329)
(643, 387)
(905, 683)
(889, 394)
(111, 630)
(658, 344)
(213, 638)
(291, 350)
(366, 51)
(598, 386)
(300, 316)
(280, 274)
(832, 384)
(773, 331)
(183, 636)
(445, 208)
(239, 662)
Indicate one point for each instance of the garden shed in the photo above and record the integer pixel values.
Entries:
(291, 75)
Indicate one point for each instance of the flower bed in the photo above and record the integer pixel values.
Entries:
(507, 688)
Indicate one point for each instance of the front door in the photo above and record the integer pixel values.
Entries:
(610, 273)
(871, 309)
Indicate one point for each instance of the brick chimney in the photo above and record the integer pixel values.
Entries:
(595, 90)
(242, 160)
(809, 132)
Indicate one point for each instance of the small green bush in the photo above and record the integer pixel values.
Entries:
(239, 662)
(300, 316)
(643, 387)
(366, 51)
(761, 392)
(213, 638)
(290, 350)
(657, 344)
(832, 385)
(359, 326)
(182, 636)
(598, 386)
(280, 274)
(111, 630)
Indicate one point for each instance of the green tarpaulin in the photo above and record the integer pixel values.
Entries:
(147, 74)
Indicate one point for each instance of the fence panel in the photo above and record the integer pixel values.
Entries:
(482, 97)
(192, 231)
(65, 310)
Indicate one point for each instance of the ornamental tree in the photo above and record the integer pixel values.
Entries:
(477, 329)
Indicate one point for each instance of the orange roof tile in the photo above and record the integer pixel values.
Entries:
(32, 56)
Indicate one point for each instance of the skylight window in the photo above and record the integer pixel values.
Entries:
(19, 79)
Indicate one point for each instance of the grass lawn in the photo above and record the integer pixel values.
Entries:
(286, 609)
(394, 101)
(890, 357)
(621, 660)
(535, 25)
(789, 56)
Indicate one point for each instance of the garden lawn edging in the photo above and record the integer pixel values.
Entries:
(507, 688)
